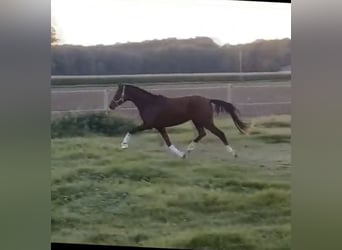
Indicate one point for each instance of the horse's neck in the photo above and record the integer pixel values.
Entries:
(141, 99)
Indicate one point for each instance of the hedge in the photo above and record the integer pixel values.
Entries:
(86, 124)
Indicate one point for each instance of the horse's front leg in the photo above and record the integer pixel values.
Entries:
(166, 138)
(124, 143)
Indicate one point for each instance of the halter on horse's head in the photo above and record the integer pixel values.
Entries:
(119, 97)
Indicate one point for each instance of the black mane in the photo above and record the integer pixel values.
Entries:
(140, 89)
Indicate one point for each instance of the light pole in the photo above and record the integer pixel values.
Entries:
(240, 61)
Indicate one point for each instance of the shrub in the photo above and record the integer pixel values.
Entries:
(86, 124)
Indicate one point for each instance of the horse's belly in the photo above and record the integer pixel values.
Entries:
(178, 122)
(172, 119)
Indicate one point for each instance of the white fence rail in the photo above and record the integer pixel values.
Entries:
(176, 79)
(252, 99)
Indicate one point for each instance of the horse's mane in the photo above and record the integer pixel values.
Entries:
(140, 89)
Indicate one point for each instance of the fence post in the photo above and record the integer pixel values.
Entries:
(229, 93)
(105, 101)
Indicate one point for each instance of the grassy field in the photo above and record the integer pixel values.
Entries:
(145, 196)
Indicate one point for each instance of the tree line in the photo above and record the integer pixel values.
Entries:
(197, 55)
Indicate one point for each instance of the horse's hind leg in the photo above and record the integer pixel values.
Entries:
(166, 138)
(212, 128)
(201, 134)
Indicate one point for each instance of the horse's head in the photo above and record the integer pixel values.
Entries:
(119, 97)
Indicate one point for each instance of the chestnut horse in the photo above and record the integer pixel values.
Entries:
(159, 112)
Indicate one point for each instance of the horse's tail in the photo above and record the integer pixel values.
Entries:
(221, 106)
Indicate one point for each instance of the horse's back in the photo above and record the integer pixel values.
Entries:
(174, 111)
(197, 107)
(199, 104)
(197, 99)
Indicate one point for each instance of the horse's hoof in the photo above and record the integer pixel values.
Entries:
(124, 146)
(183, 156)
(190, 150)
(235, 155)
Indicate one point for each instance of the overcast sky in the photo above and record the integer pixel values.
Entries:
(91, 22)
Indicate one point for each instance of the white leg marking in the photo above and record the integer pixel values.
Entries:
(231, 150)
(191, 146)
(127, 137)
(176, 151)
(125, 141)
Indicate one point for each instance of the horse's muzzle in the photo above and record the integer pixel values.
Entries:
(112, 105)
(116, 103)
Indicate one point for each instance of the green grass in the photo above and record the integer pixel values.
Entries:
(145, 196)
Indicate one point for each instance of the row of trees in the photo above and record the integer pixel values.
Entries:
(197, 55)
(54, 38)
